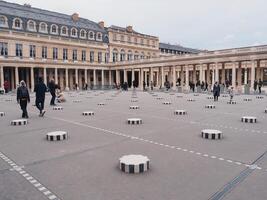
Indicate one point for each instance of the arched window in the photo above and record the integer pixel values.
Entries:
(17, 23)
(31, 25)
(122, 58)
(54, 29)
(74, 32)
(136, 55)
(142, 56)
(115, 55)
(130, 55)
(43, 27)
(91, 35)
(82, 33)
(3, 21)
(64, 30)
(99, 36)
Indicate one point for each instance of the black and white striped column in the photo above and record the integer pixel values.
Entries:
(134, 107)
(210, 106)
(2, 114)
(211, 134)
(180, 112)
(19, 122)
(167, 103)
(88, 113)
(231, 102)
(134, 164)
(57, 136)
(249, 119)
(134, 121)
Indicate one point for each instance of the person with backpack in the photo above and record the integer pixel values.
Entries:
(40, 90)
(23, 98)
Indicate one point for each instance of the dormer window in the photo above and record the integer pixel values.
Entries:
(82, 34)
(54, 29)
(17, 23)
(31, 25)
(43, 27)
(91, 35)
(64, 30)
(3, 21)
(74, 32)
(99, 36)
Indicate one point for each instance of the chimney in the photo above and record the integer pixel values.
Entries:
(129, 29)
(102, 24)
(75, 17)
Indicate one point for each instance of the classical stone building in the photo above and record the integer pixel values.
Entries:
(70, 49)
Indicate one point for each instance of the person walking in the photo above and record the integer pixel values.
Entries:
(40, 90)
(255, 85)
(23, 98)
(52, 88)
(260, 85)
(231, 93)
(216, 91)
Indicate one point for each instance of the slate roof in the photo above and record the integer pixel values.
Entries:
(28, 12)
(125, 30)
(178, 48)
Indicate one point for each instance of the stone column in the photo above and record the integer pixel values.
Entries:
(2, 77)
(174, 77)
(146, 77)
(223, 73)
(133, 77)
(118, 77)
(16, 76)
(32, 79)
(45, 75)
(151, 72)
(234, 75)
(76, 77)
(253, 66)
(94, 74)
(67, 78)
(239, 74)
(56, 76)
(201, 73)
(141, 78)
(216, 72)
(124, 75)
(110, 78)
(102, 78)
(187, 76)
(194, 74)
(246, 76)
(162, 76)
(208, 73)
(157, 78)
(85, 76)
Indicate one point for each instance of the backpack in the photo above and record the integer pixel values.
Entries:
(24, 92)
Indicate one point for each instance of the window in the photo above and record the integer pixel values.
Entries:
(65, 54)
(74, 55)
(54, 29)
(136, 56)
(92, 56)
(83, 55)
(122, 38)
(3, 49)
(115, 55)
(43, 27)
(17, 23)
(142, 41)
(3, 21)
(91, 35)
(147, 42)
(129, 55)
(44, 52)
(99, 57)
(122, 57)
(64, 30)
(129, 39)
(106, 57)
(55, 53)
(19, 50)
(114, 37)
(99, 36)
(142, 56)
(74, 32)
(31, 26)
(32, 51)
(83, 34)
(135, 40)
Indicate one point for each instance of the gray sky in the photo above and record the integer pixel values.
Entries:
(204, 24)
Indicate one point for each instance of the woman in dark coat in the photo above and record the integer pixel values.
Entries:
(216, 91)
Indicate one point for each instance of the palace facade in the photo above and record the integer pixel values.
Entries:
(73, 50)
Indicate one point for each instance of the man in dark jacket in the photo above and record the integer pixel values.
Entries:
(260, 84)
(52, 88)
(40, 90)
(216, 91)
(23, 98)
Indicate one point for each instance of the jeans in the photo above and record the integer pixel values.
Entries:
(52, 102)
(40, 104)
(23, 106)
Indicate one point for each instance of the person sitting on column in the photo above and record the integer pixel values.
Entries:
(60, 96)
(23, 98)
(216, 91)
(40, 90)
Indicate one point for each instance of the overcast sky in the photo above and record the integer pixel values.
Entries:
(203, 24)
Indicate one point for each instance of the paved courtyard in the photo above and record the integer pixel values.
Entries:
(183, 165)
